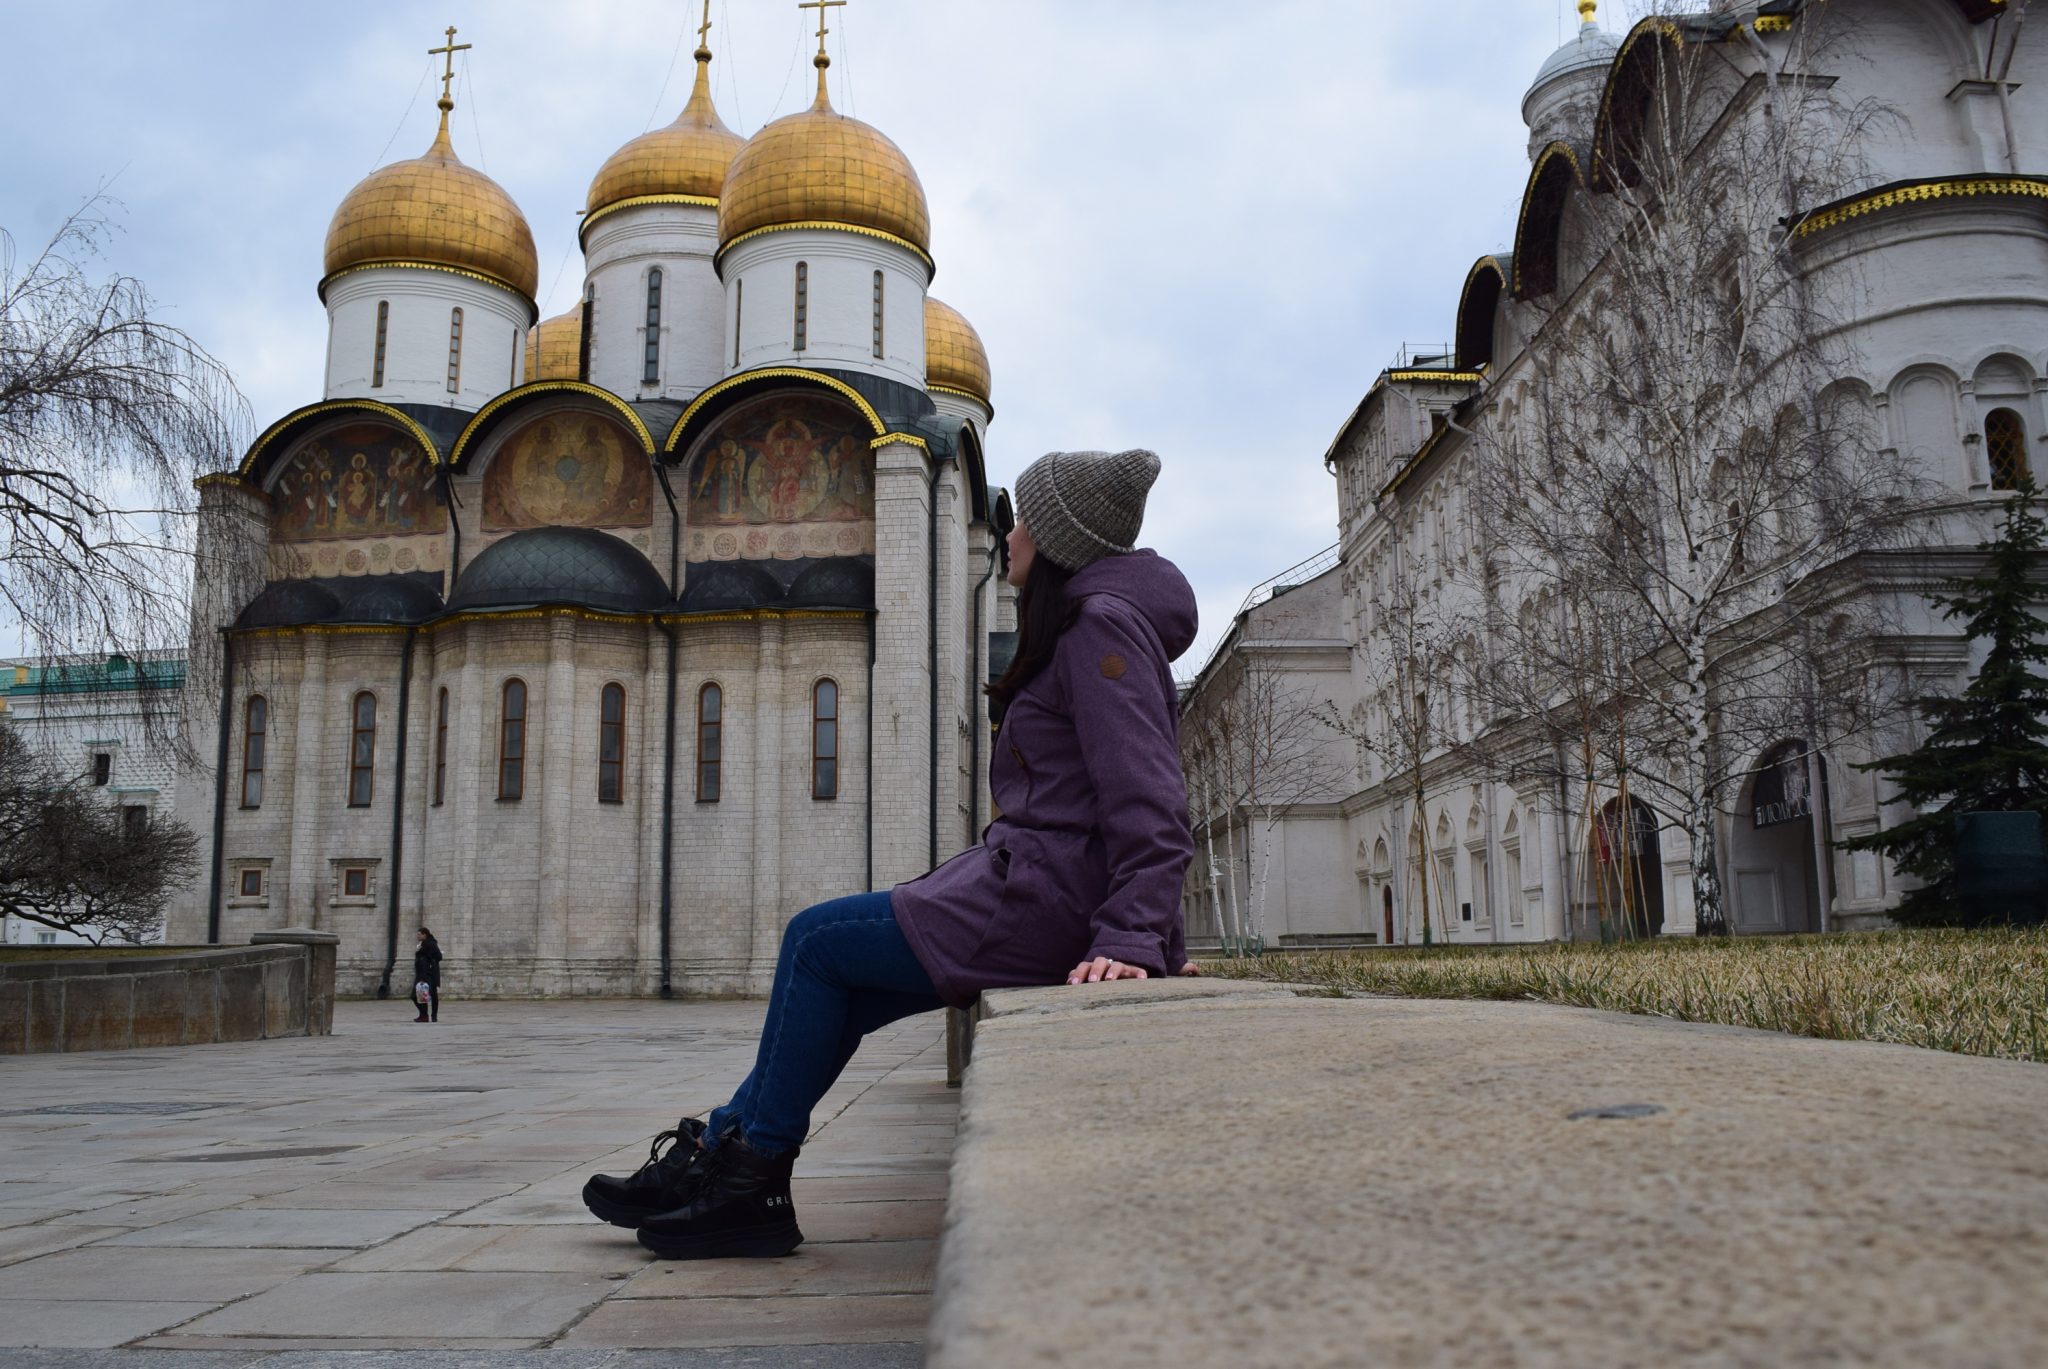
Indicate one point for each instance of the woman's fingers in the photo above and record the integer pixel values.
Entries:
(1102, 967)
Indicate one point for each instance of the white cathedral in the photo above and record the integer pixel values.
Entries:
(604, 644)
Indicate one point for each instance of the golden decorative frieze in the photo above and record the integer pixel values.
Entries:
(574, 387)
(1922, 192)
(847, 392)
(419, 434)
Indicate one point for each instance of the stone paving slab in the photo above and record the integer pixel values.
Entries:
(391, 1196)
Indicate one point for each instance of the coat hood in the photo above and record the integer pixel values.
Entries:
(1152, 585)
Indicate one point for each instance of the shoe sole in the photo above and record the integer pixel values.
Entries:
(756, 1243)
(604, 1209)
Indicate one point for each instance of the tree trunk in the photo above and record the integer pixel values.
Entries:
(1709, 904)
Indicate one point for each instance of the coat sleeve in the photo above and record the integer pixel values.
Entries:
(1113, 677)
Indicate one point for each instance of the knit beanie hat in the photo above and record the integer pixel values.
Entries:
(1083, 506)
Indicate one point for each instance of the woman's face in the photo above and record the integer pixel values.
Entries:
(1023, 551)
(421, 938)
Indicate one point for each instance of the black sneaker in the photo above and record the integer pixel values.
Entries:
(665, 1183)
(741, 1209)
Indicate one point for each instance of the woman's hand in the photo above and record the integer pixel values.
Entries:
(1102, 967)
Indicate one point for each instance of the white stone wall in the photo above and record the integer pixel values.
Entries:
(760, 299)
(494, 324)
(619, 252)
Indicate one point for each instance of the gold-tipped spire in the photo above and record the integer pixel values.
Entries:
(681, 162)
(1587, 9)
(821, 61)
(447, 101)
(704, 35)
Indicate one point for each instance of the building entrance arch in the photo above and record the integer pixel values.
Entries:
(1774, 884)
(1628, 867)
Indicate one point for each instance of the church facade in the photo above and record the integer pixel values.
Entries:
(602, 645)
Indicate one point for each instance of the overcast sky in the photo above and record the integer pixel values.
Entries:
(1200, 226)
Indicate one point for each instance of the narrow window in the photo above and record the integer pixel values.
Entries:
(825, 740)
(2005, 447)
(739, 312)
(650, 370)
(362, 749)
(134, 821)
(878, 313)
(102, 767)
(252, 883)
(803, 304)
(454, 351)
(441, 748)
(512, 371)
(709, 729)
(383, 329)
(512, 741)
(256, 722)
(611, 745)
(583, 343)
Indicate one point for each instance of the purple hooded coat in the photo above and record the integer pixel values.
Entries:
(1088, 854)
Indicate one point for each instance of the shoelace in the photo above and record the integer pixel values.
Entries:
(682, 1147)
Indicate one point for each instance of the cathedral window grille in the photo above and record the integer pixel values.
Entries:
(878, 313)
(512, 742)
(589, 320)
(825, 740)
(611, 745)
(710, 740)
(454, 351)
(252, 882)
(256, 723)
(803, 304)
(362, 749)
(383, 333)
(441, 748)
(739, 312)
(2005, 448)
(650, 371)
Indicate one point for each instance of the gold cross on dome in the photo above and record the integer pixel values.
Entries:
(448, 70)
(821, 6)
(704, 29)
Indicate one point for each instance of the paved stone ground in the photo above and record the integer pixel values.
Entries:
(409, 1189)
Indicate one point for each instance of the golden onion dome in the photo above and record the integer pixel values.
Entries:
(434, 211)
(683, 162)
(822, 168)
(954, 358)
(554, 347)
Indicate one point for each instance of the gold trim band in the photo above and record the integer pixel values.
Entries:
(382, 410)
(774, 373)
(906, 243)
(636, 201)
(907, 439)
(1921, 193)
(464, 271)
(983, 400)
(543, 387)
(1440, 377)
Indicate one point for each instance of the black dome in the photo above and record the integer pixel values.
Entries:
(729, 585)
(391, 599)
(841, 582)
(561, 566)
(290, 603)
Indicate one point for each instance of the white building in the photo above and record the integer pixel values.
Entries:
(602, 647)
(1945, 235)
(101, 722)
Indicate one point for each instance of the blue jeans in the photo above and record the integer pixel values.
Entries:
(844, 970)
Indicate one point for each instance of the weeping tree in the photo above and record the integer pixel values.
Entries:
(1684, 459)
(107, 413)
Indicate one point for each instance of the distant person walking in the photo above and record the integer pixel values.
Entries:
(426, 977)
(1078, 880)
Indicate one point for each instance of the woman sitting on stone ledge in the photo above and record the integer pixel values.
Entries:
(1079, 879)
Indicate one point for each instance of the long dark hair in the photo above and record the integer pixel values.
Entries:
(1043, 613)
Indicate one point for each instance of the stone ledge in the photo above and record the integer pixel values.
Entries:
(1249, 1180)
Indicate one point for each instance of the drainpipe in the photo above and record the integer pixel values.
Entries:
(454, 525)
(870, 885)
(675, 531)
(220, 781)
(668, 809)
(398, 816)
(975, 673)
(931, 600)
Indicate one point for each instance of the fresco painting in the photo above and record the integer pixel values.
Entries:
(790, 477)
(569, 469)
(355, 482)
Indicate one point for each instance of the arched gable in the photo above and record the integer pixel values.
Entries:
(783, 474)
(709, 407)
(1557, 173)
(1478, 307)
(279, 439)
(516, 403)
(1626, 102)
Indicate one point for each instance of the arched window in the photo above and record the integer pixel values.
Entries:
(878, 313)
(256, 722)
(512, 741)
(589, 321)
(611, 745)
(825, 740)
(512, 372)
(2005, 448)
(710, 741)
(454, 351)
(362, 749)
(441, 748)
(650, 370)
(803, 304)
(383, 332)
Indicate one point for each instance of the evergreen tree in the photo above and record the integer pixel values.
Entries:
(1986, 751)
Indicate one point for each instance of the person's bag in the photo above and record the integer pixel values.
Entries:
(423, 993)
